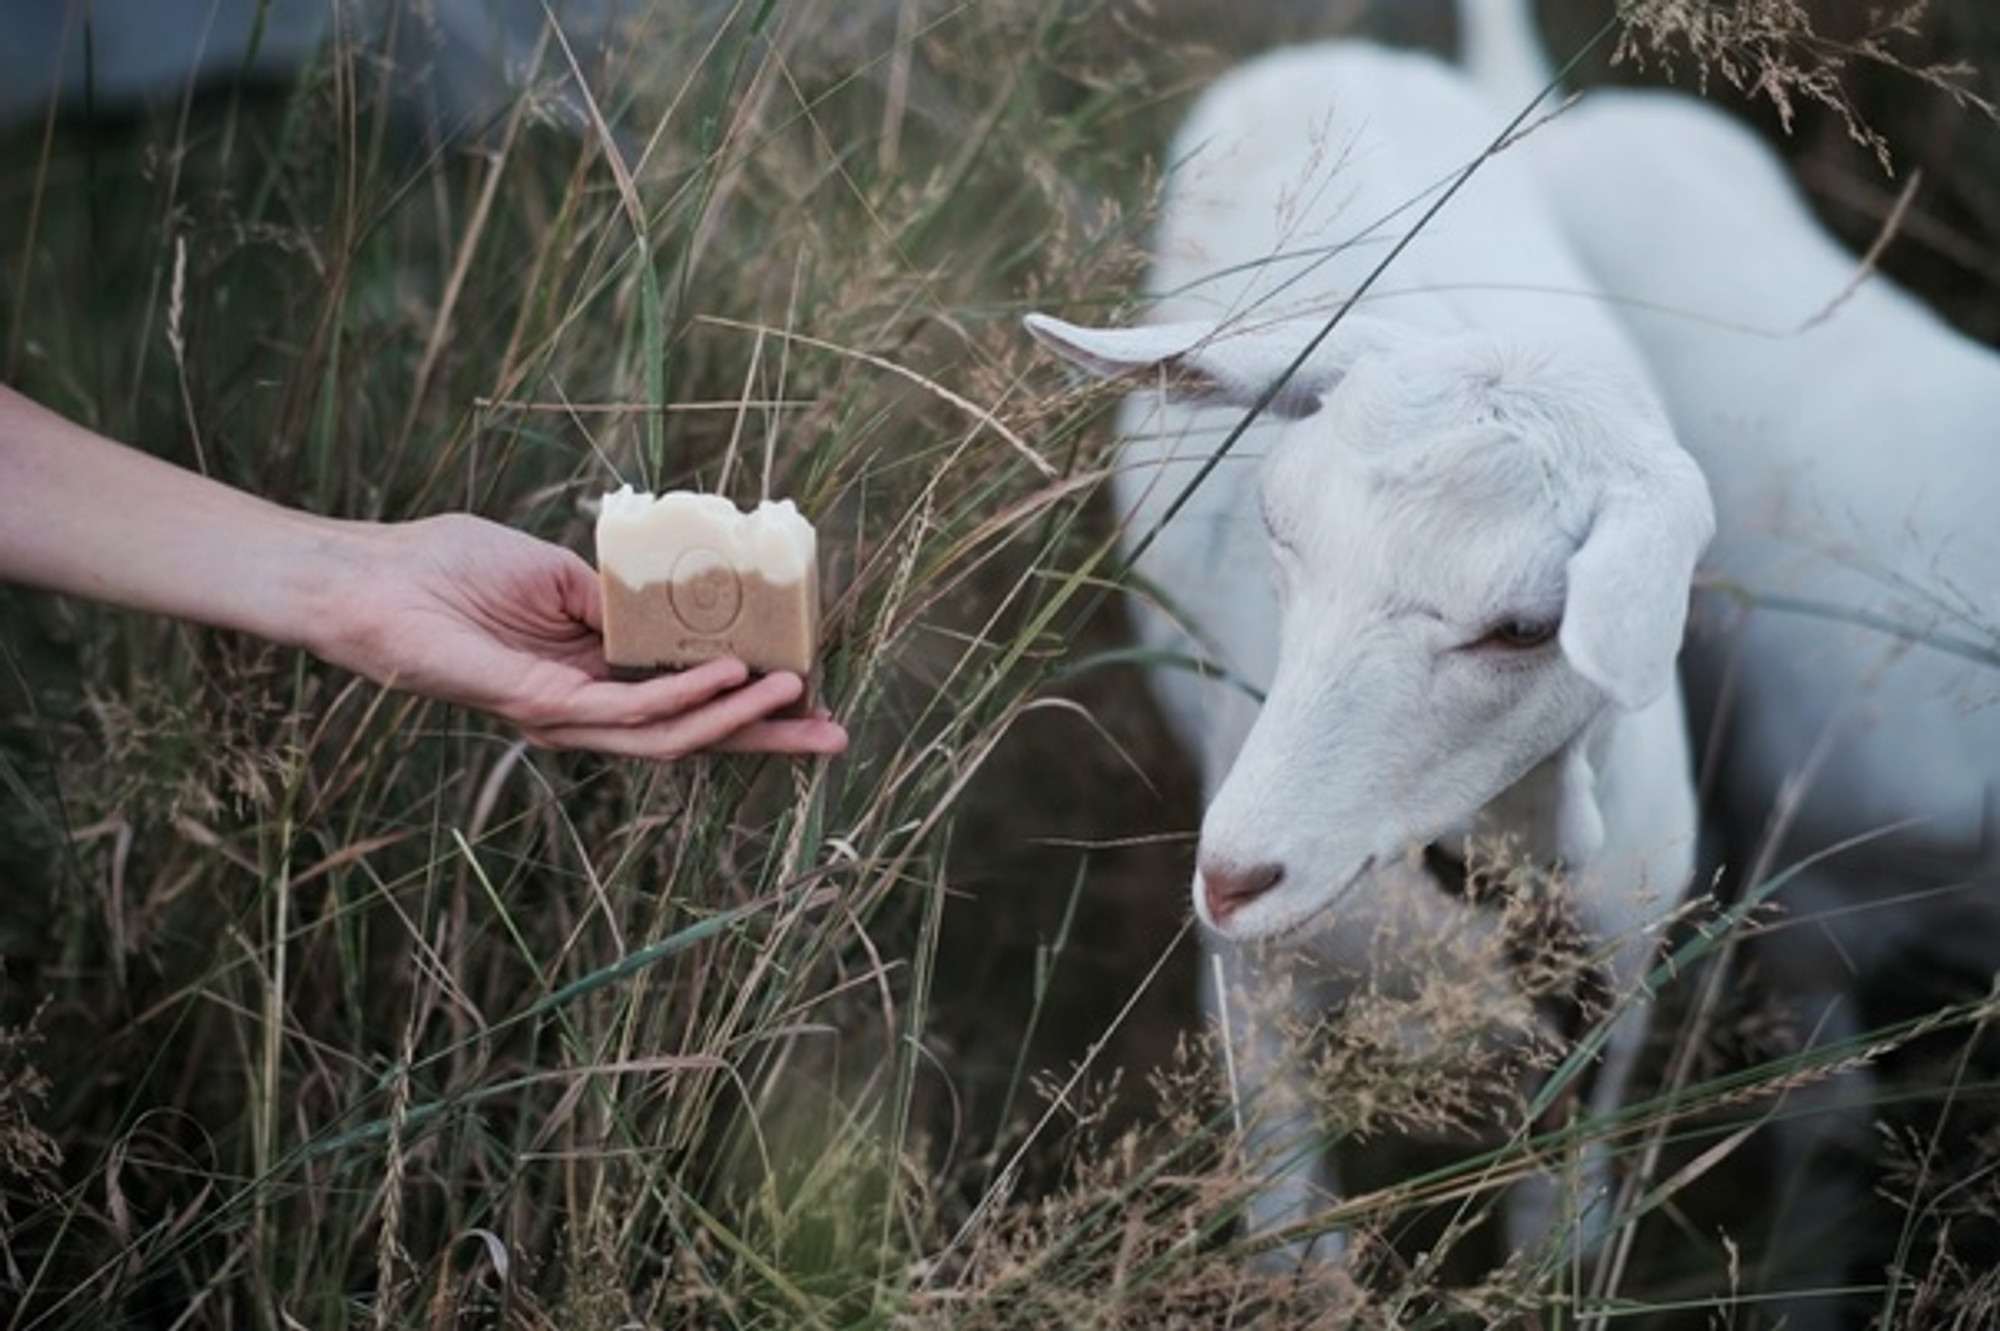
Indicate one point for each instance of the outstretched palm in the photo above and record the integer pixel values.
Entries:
(483, 615)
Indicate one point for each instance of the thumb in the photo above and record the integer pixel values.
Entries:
(581, 596)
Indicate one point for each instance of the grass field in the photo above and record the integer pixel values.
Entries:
(326, 1007)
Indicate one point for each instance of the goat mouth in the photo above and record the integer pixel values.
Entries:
(1291, 929)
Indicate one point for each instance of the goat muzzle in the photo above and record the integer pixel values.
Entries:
(1228, 888)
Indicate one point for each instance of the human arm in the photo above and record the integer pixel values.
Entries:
(452, 607)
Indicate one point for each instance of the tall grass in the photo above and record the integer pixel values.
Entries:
(362, 1013)
(342, 1008)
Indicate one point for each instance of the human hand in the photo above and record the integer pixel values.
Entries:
(472, 612)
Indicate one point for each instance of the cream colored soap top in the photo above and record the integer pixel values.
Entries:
(641, 537)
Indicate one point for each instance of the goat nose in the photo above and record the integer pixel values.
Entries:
(1228, 888)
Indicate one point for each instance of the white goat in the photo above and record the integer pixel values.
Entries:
(1453, 554)
(1849, 436)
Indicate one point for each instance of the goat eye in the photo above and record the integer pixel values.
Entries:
(1518, 635)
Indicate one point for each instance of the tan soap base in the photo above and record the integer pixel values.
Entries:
(768, 626)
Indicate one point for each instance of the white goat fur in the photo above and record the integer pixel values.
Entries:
(1459, 455)
(1849, 436)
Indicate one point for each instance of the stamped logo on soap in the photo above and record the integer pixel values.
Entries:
(707, 594)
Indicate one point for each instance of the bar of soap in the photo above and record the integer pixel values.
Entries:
(689, 577)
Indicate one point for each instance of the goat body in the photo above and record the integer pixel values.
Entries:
(1437, 585)
(1848, 435)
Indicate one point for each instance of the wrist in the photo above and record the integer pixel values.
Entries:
(320, 596)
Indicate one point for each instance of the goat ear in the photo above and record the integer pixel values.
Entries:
(1628, 582)
(1202, 361)
(1579, 819)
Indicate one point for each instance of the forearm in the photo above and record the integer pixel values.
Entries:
(83, 515)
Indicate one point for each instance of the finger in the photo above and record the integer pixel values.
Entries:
(787, 739)
(583, 594)
(737, 712)
(615, 703)
(818, 735)
(814, 737)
